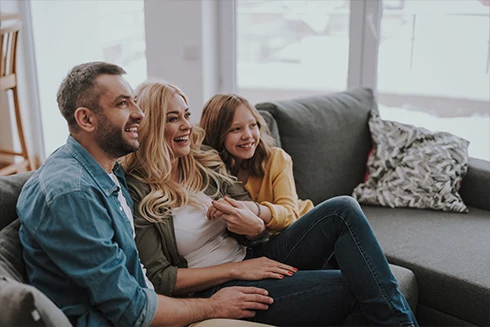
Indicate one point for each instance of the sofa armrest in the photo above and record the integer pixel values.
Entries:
(475, 189)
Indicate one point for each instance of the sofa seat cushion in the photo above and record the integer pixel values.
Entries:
(448, 252)
(227, 323)
(24, 305)
(328, 138)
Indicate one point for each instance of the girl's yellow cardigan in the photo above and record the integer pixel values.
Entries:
(276, 190)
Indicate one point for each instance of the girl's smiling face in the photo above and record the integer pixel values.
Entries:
(243, 136)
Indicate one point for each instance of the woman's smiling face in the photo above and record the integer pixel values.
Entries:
(178, 127)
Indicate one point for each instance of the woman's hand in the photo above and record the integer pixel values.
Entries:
(238, 217)
(261, 268)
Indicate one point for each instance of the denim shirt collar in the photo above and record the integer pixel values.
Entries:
(93, 168)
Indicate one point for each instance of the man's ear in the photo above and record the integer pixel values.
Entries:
(86, 119)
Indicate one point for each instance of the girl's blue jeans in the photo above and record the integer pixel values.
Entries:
(362, 292)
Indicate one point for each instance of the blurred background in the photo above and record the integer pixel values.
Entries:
(428, 61)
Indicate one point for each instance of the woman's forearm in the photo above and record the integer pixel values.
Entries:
(191, 280)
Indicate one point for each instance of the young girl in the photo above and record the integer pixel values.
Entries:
(173, 181)
(239, 133)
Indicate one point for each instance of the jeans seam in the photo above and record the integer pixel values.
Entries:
(367, 261)
(303, 236)
(383, 293)
(289, 295)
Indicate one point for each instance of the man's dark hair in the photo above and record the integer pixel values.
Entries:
(79, 88)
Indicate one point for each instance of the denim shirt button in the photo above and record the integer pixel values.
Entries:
(120, 209)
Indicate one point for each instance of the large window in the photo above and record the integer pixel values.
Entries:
(428, 61)
(67, 33)
(291, 48)
(433, 68)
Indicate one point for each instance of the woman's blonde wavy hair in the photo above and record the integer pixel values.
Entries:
(152, 162)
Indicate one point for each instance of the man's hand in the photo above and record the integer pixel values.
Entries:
(239, 302)
(230, 302)
(238, 217)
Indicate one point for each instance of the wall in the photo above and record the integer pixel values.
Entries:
(182, 47)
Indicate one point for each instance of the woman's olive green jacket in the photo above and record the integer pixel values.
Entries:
(156, 240)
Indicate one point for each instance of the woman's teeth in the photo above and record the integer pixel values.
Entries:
(181, 139)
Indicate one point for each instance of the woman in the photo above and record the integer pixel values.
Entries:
(173, 182)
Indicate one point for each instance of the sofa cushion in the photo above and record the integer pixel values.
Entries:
(271, 123)
(328, 138)
(414, 167)
(24, 305)
(10, 187)
(11, 260)
(448, 252)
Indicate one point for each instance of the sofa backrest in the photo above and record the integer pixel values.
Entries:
(475, 188)
(10, 187)
(328, 138)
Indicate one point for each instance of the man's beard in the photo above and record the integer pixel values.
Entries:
(111, 140)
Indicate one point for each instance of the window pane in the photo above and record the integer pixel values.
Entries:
(433, 68)
(287, 49)
(67, 33)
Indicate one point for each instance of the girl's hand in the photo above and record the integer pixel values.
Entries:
(262, 268)
(238, 217)
(214, 213)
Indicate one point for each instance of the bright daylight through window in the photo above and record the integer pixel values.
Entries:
(95, 32)
(433, 59)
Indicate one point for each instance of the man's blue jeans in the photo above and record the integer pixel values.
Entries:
(363, 292)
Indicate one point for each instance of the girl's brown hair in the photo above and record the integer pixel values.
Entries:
(216, 119)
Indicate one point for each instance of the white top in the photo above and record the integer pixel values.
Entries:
(129, 214)
(203, 242)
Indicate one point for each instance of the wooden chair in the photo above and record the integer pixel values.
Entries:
(10, 25)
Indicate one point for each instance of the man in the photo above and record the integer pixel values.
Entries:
(76, 219)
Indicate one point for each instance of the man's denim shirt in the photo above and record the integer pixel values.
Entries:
(78, 244)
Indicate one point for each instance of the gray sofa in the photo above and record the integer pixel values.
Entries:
(24, 305)
(441, 260)
(329, 140)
